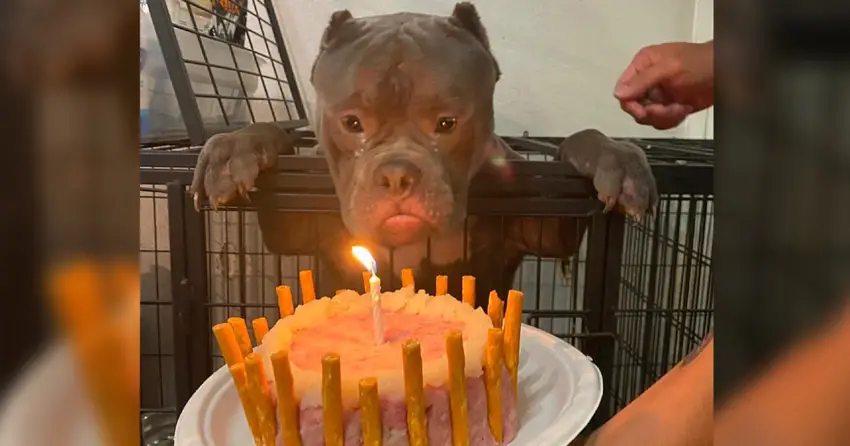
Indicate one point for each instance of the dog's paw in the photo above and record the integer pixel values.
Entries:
(624, 179)
(230, 162)
(619, 170)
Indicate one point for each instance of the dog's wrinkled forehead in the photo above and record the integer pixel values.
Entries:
(402, 60)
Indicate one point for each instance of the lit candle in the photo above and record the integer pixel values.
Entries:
(362, 254)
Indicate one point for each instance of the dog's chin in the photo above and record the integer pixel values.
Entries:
(403, 229)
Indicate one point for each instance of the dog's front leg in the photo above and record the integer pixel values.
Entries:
(619, 170)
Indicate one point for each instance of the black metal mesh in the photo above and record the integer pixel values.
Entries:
(227, 63)
(666, 300)
(158, 396)
(658, 295)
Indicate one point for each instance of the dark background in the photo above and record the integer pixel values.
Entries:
(782, 244)
(21, 309)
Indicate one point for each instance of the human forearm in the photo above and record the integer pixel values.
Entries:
(803, 400)
(676, 410)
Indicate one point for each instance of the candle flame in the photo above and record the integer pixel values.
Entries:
(362, 254)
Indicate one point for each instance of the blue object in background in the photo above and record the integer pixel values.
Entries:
(144, 113)
(144, 121)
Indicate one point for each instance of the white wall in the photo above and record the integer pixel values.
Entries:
(701, 125)
(559, 58)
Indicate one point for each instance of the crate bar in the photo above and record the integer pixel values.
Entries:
(283, 125)
(611, 293)
(242, 83)
(682, 180)
(483, 186)
(233, 69)
(532, 145)
(539, 207)
(180, 291)
(318, 163)
(213, 81)
(214, 14)
(303, 138)
(189, 110)
(306, 183)
(232, 97)
(594, 296)
(222, 41)
(257, 61)
(198, 320)
(285, 61)
(164, 176)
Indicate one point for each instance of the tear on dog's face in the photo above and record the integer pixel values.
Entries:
(405, 119)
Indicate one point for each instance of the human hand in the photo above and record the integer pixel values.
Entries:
(667, 82)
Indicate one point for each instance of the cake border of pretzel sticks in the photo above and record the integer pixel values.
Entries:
(247, 370)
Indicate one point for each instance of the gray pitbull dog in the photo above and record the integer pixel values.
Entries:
(405, 120)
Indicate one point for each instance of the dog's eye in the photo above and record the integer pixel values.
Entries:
(446, 125)
(352, 124)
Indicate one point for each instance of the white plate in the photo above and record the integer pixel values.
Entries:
(48, 394)
(560, 389)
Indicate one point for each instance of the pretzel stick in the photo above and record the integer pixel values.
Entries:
(370, 410)
(261, 328)
(513, 324)
(240, 329)
(240, 379)
(287, 408)
(284, 301)
(442, 286)
(332, 400)
(493, 381)
(407, 278)
(468, 290)
(414, 391)
(227, 343)
(308, 291)
(366, 276)
(258, 387)
(494, 309)
(457, 389)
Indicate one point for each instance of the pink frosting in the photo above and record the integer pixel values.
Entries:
(351, 336)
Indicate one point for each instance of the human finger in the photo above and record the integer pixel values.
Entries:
(633, 108)
(642, 81)
(664, 117)
(639, 62)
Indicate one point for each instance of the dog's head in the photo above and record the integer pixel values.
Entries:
(405, 116)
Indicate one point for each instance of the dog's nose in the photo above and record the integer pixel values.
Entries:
(398, 177)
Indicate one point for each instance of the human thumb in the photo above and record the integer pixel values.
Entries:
(636, 86)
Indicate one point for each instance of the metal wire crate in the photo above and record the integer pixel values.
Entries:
(227, 66)
(220, 76)
(666, 291)
(636, 297)
(158, 397)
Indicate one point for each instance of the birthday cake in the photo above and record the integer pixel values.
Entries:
(442, 375)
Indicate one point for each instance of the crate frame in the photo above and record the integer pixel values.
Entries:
(678, 170)
(197, 130)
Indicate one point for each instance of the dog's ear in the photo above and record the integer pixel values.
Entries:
(466, 16)
(331, 34)
(335, 24)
